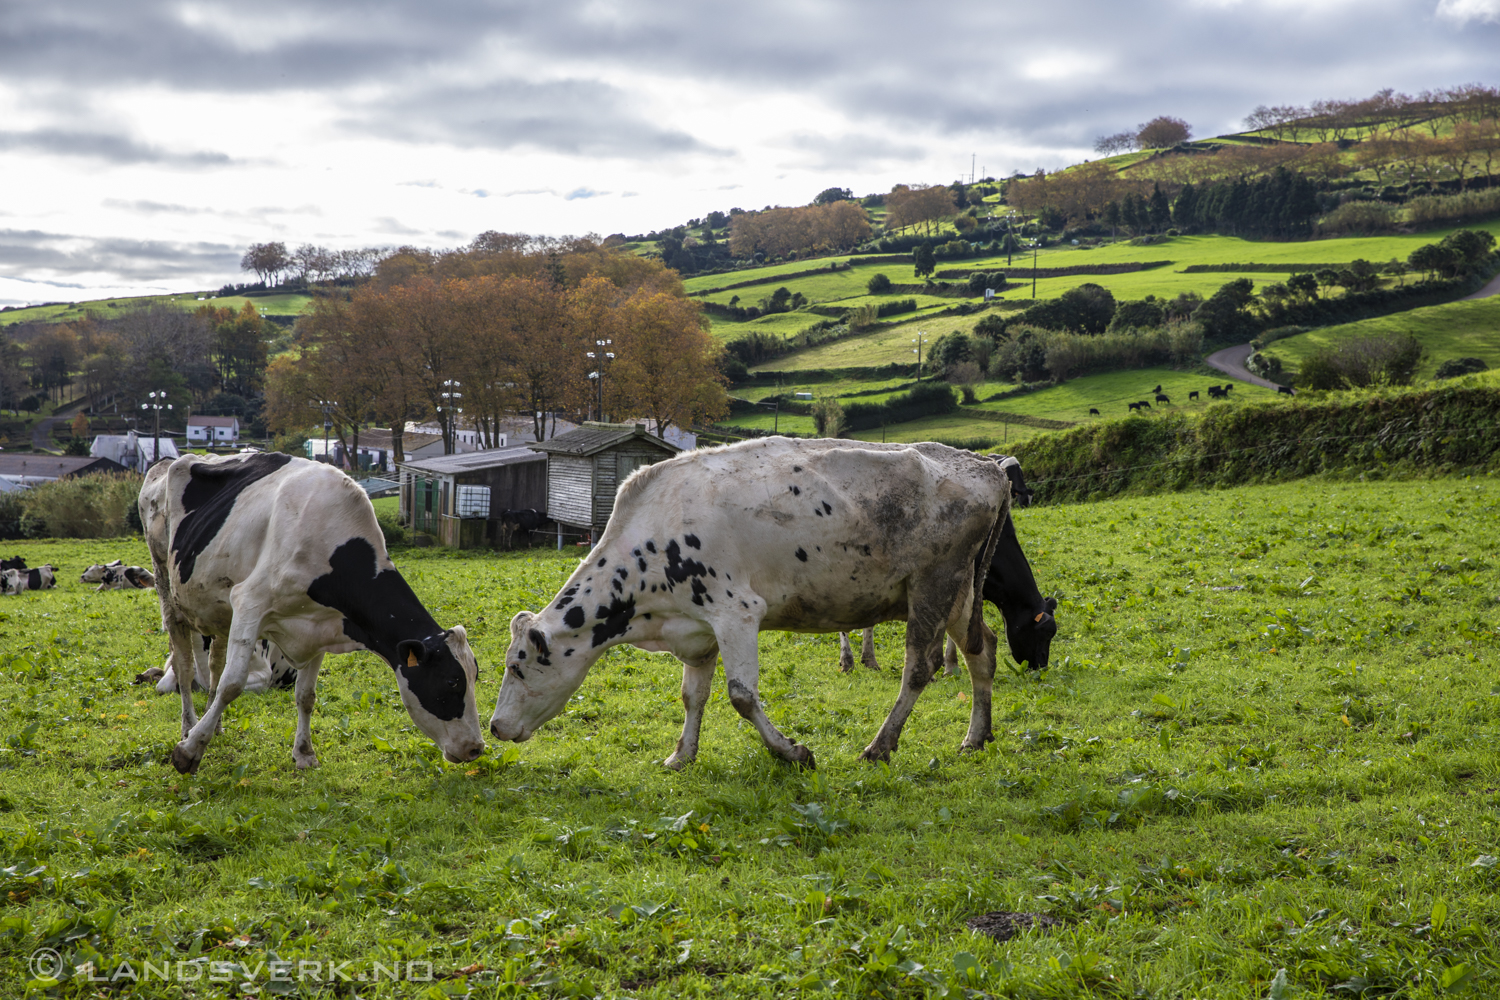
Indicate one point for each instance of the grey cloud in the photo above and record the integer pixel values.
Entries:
(24, 254)
(851, 152)
(386, 224)
(118, 149)
(576, 117)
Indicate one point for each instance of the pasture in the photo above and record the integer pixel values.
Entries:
(1266, 761)
(1466, 329)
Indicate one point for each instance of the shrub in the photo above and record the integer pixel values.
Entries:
(925, 400)
(828, 417)
(1434, 209)
(1454, 367)
(1382, 359)
(85, 507)
(1138, 314)
(878, 284)
(1359, 217)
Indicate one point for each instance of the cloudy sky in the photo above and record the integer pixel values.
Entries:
(144, 145)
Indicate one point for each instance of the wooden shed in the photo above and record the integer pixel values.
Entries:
(587, 465)
(459, 498)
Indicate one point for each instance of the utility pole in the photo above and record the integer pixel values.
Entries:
(449, 394)
(921, 335)
(1034, 246)
(597, 375)
(327, 406)
(158, 402)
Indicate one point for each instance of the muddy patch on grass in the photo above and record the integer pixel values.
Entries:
(1002, 925)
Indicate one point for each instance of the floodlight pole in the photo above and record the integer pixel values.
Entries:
(158, 402)
(1033, 267)
(598, 373)
(921, 335)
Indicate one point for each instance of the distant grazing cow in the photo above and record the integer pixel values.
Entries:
(266, 546)
(115, 576)
(14, 562)
(17, 581)
(1214, 392)
(1133, 406)
(1193, 394)
(1213, 389)
(1158, 388)
(1228, 386)
(1008, 584)
(1162, 398)
(269, 668)
(1285, 390)
(773, 534)
(1144, 405)
(1093, 412)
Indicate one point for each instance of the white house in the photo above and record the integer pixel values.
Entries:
(213, 430)
(132, 450)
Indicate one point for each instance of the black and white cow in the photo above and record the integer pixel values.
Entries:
(1009, 585)
(14, 562)
(269, 668)
(266, 546)
(116, 576)
(706, 550)
(18, 581)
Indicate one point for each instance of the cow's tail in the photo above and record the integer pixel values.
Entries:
(974, 640)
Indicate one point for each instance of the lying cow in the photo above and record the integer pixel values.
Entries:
(115, 576)
(269, 668)
(1008, 584)
(14, 562)
(18, 581)
(266, 546)
(706, 550)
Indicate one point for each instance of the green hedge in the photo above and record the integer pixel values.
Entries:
(1438, 429)
(929, 399)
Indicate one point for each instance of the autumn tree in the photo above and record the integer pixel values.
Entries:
(1163, 131)
(918, 205)
(267, 260)
(666, 363)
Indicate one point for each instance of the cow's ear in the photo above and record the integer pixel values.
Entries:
(519, 623)
(1050, 604)
(410, 653)
(456, 632)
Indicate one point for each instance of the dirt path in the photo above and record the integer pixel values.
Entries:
(1493, 288)
(1231, 361)
(41, 434)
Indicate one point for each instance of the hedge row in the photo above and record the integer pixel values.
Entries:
(1025, 273)
(1442, 429)
(1253, 268)
(929, 399)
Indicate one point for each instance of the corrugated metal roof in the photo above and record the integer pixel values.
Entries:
(469, 461)
(592, 438)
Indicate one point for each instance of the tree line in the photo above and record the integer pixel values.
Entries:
(502, 328)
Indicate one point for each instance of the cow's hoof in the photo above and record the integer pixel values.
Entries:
(183, 761)
(872, 664)
(676, 762)
(874, 753)
(802, 757)
(971, 746)
(305, 761)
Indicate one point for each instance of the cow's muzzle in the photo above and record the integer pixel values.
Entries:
(520, 735)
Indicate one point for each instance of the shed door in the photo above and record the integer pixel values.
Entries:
(626, 464)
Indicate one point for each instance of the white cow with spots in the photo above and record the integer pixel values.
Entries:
(269, 668)
(708, 549)
(266, 546)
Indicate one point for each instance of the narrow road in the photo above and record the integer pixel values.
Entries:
(1493, 288)
(41, 434)
(1231, 361)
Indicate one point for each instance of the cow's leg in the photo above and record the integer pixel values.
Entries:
(243, 634)
(210, 668)
(739, 646)
(181, 641)
(846, 654)
(867, 650)
(697, 681)
(950, 658)
(307, 696)
(982, 678)
(928, 618)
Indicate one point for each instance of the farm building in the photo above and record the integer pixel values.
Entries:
(459, 498)
(586, 466)
(131, 450)
(213, 430)
(21, 471)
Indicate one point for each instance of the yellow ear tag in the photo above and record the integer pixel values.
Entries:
(1040, 616)
(411, 658)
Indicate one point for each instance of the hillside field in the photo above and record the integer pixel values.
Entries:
(1467, 329)
(279, 305)
(1264, 762)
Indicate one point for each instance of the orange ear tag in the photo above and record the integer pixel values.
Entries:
(411, 658)
(1040, 616)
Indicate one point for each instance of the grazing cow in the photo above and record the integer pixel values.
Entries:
(527, 520)
(1161, 397)
(798, 536)
(1193, 394)
(1133, 406)
(17, 581)
(1093, 412)
(114, 576)
(266, 546)
(14, 562)
(1158, 388)
(269, 668)
(1214, 392)
(1285, 390)
(1008, 584)
(1144, 405)
(1227, 387)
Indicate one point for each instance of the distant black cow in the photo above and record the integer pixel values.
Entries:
(1144, 405)
(1228, 386)
(1193, 394)
(1285, 390)
(1214, 392)
(14, 562)
(1158, 388)
(1093, 412)
(1133, 406)
(526, 520)
(1161, 397)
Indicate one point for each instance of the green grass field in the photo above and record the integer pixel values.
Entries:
(1108, 392)
(1469, 329)
(1267, 753)
(281, 305)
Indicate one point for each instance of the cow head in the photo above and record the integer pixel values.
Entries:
(539, 678)
(1030, 639)
(436, 678)
(98, 573)
(10, 581)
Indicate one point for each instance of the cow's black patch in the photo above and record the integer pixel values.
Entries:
(801, 553)
(827, 507)
(569, 650)
(647, 616)
(653, 588)
(679, 569)
(562, 604)
(212, 489)
(712, 573)
(616, 584)
(796, 491)
(796, 468)
(624, 573)
(382, 614)
(743, 604)
(601, 563)
(691, 541)
(640, 563)
(817, 512)
(700, 592)
(34, 579)
(728, 593)
(613, 620)
(651, 547)
(636, 552)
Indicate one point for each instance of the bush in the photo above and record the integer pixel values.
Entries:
(1359, 217)
(1382, 359)
(394, 533)
(828, 417)
(1434, 209)
(1280, 333)
(85, 507)
(925, 400)
(878, 284)
(1454, 367)
(1137, 314)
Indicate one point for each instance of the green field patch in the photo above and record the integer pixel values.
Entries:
(1108, 392)
(1465, 329)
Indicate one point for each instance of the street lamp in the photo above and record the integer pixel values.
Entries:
(918, 340)
(327, 406)
(449, 394)
(598, 374)
(158, 402)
